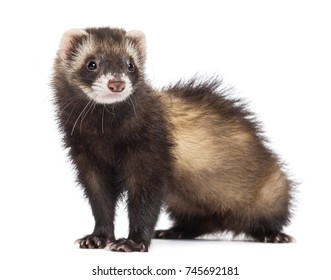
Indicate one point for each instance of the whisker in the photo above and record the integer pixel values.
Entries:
(67, 105)
(94, 106)
(69, 115)
(72, 131)
(132, 103)
(113, 107)
(87, 111)
(108, 110)
(102, 119)
(84, 115)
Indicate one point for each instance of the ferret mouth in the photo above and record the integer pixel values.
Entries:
(108, 97)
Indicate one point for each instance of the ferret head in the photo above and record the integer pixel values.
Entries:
(105, 64)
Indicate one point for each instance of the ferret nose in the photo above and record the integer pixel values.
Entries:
(116, 85)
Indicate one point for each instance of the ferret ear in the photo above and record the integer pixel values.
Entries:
(69, 41)
(138, 40)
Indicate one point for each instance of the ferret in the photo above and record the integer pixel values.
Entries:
(189, 148)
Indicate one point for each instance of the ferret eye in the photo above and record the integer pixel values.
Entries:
(91, 65)
(131, 66)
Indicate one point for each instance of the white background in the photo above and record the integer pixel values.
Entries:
(275, 53)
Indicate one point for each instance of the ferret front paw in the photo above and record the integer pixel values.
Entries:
(92, 242)
(127, 245)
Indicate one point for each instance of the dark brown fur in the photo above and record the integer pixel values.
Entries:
(188, 146)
